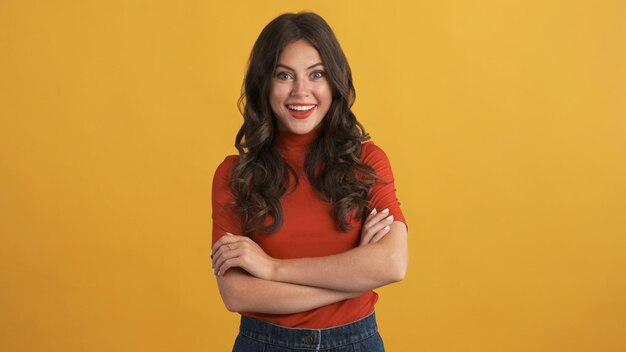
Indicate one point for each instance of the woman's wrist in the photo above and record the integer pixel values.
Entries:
(277, 272)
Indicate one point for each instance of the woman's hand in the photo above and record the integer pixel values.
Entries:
(375, 227)
(240, 251)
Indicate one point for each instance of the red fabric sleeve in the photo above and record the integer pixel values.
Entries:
(224, 217)
(384, 191)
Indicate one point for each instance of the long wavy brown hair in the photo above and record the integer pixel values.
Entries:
(261, 176)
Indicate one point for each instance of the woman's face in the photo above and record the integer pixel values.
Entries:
(300, 94)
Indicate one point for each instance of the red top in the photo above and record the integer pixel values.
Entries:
(308, 228)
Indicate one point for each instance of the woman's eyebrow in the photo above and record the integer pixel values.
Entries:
(308, 68)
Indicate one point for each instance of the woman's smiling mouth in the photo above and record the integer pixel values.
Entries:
(301, 111)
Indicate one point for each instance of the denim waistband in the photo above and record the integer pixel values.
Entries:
(309, 339)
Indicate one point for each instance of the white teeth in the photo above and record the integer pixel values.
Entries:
(300, 107)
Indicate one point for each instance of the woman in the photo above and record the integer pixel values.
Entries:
(305, 219)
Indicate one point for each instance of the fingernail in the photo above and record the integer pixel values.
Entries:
(386, 210)
(211, 252)
(229, 234)
(386, 228)
(373, 211)
(389, 218)
(213, 270)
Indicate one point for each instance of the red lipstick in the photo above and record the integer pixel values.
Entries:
(301, 114)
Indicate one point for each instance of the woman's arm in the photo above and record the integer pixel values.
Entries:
(357, 270)
(241, 292)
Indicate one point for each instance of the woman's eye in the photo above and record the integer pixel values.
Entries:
(318, 74)
(283, 75)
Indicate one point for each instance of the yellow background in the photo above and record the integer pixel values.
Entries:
(505, 122)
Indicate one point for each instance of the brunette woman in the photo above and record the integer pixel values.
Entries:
(306, 222)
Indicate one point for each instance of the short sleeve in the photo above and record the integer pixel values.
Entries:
(224, 216)
(383, 191)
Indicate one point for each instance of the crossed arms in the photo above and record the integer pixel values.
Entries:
(251, 281)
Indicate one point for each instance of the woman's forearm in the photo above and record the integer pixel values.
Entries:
(356, 270)
(242, 292)
(359, 269)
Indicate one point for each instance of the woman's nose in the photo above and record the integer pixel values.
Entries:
(300, 87)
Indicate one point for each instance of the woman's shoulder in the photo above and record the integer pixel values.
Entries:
(373, 156)
(371, 153)
(225, 168)
(228, 161)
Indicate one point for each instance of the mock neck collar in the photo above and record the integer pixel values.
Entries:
(290, 140)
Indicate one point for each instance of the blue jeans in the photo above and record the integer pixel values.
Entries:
(259, 336)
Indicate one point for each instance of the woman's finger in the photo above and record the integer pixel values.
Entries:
(243, 253)
(224, 257)
(238, 254)
(224, 244)
(217, 253)
(227, 238)
(376, 218)
(224, 251)
(369, 217)
(369, 234)
(380, 234)
(366, 237)
(374, 228)
(230, 263)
